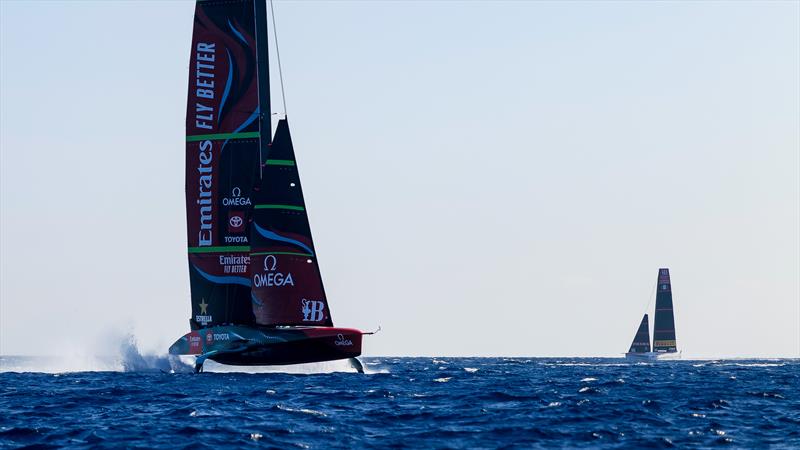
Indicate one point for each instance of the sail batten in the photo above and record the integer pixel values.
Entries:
(289, 207)
(218, 249)
(279, 162)
(223, 136)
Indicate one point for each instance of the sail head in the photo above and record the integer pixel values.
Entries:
(222, 159)
(664, 323)
(287, 286)
(641, 341)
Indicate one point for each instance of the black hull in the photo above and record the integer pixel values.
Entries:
(298, 352)
(251, 346)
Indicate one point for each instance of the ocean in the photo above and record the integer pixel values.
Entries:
(410, 403)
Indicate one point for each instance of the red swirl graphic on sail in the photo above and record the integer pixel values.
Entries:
(223, 85)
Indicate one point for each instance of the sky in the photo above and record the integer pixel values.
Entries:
(482, 178)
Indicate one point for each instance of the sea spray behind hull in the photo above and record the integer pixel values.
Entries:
(116, 353)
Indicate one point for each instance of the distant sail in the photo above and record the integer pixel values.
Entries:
(641, 342)
(664, 324)
(287, 286)
(222, 159)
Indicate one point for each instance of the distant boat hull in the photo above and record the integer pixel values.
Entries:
(653, 356)
(257, 346)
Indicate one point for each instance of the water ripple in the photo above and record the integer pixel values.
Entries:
(414, 402)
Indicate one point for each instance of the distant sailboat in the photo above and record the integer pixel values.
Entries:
(664, 343)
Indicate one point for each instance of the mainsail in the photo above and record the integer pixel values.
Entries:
(286, 283)
(223, 122)
(641, 342)
(664, 326)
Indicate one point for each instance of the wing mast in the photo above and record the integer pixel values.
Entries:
(262, 57)
(223, 125)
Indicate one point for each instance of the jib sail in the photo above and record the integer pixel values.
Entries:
(641, 342)
(664, 326)
(222, 159)
(286, 283)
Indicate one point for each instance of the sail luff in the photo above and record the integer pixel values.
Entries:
(641, 341)
(262, 58)
(664, 323)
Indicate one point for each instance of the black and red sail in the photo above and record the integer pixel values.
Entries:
(222, 159)
(286, 283)
(664, 323)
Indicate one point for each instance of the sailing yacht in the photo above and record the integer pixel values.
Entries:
(257, 295)
(664, 343)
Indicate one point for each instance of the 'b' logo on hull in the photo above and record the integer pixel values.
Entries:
(312, 310)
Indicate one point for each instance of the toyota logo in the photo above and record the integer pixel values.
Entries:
(235, 221)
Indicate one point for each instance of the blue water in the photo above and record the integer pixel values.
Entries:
(415, 402)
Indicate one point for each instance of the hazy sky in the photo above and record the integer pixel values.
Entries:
(482, 178)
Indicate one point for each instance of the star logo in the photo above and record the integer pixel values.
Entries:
(203, 306)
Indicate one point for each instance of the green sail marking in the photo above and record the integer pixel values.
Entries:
(279, 162)
(291, 207)
(307, 255)
(221, 136)
(234, 249)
